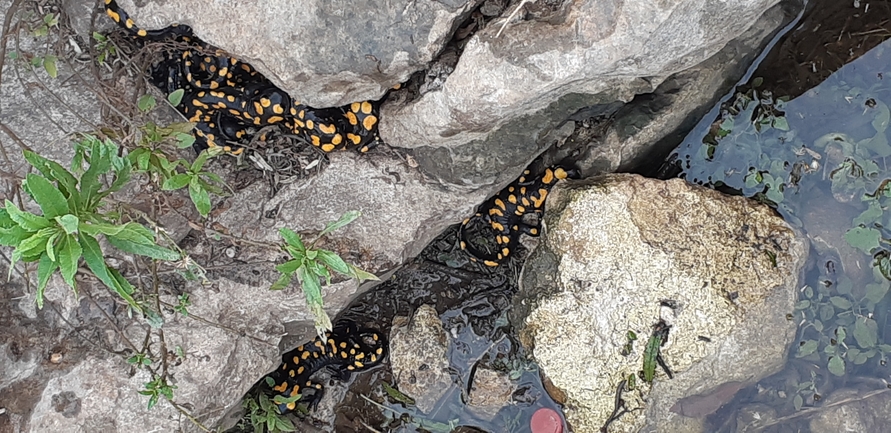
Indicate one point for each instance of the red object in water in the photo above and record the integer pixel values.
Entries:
(546, 420)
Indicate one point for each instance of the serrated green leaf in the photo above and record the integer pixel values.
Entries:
(837, 366)
(292, 239)
(176, 182)
(45, 269)
(176, 97)
(199, 197)
(148, 250)
(13, 236)
(865, 332)
(36, 243)
(69, 254)
(69, 223)
(50, 248)
(863, 238)
(345, 219)
(51, 201)
(809, 347)
(26, 220)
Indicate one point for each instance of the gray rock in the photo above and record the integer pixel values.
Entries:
(323, 52)
(625, 243)
(491, 391)
(507, 92)
(418, 357)
(586, 47)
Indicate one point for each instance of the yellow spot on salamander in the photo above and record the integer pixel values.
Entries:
(316, 141)
(327, 147)
(277, 109)
(369, 122)
(548, 177)
(337, 139)
(366, 107)
(490, 263)
(500, 204)
(113, 15)
(495, 211)
(141, 33)
(351, 117)
(355, 106)
(304, 355)
(282, 387)
(327, 129)
(265, 102)
(309, 123)
(129, 23)
(354, 138)
(512, 199)
(295, 391)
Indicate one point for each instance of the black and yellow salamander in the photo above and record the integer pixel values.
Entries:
(346, 349)
(506, 213)
(228, 100)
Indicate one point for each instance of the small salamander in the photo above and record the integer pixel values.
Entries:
(228, 99)
(346, 349)
(505, 213)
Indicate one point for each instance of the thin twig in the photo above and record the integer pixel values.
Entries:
(510, 17)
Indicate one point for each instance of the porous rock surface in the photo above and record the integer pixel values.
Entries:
(621, 245)
(323, 52)
(418, 357)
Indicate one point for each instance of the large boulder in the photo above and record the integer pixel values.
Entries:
(323, 52)
(615, 253)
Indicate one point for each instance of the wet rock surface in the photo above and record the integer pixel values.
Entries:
(418, 357)
(854, 410)
(623, 244)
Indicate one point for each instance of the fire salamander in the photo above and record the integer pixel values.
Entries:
(348, 348)
(505, 213)
(229, 100)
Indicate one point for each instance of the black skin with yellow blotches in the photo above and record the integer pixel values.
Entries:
(506, 213)
(346, 349)
(229, 100)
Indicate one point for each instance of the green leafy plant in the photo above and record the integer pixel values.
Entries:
(264, 414)
(156, 389)
(837, 315)
(311, 264)
(71, 219)
(104, 47)
(200, 182)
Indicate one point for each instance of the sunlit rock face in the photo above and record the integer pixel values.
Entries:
(616, 250)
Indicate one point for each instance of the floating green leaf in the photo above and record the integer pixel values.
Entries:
(865, 239)
(865, 332)
(837, 366)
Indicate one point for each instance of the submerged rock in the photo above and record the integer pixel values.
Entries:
(852, 410)
(615, 252)
(418, 357)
